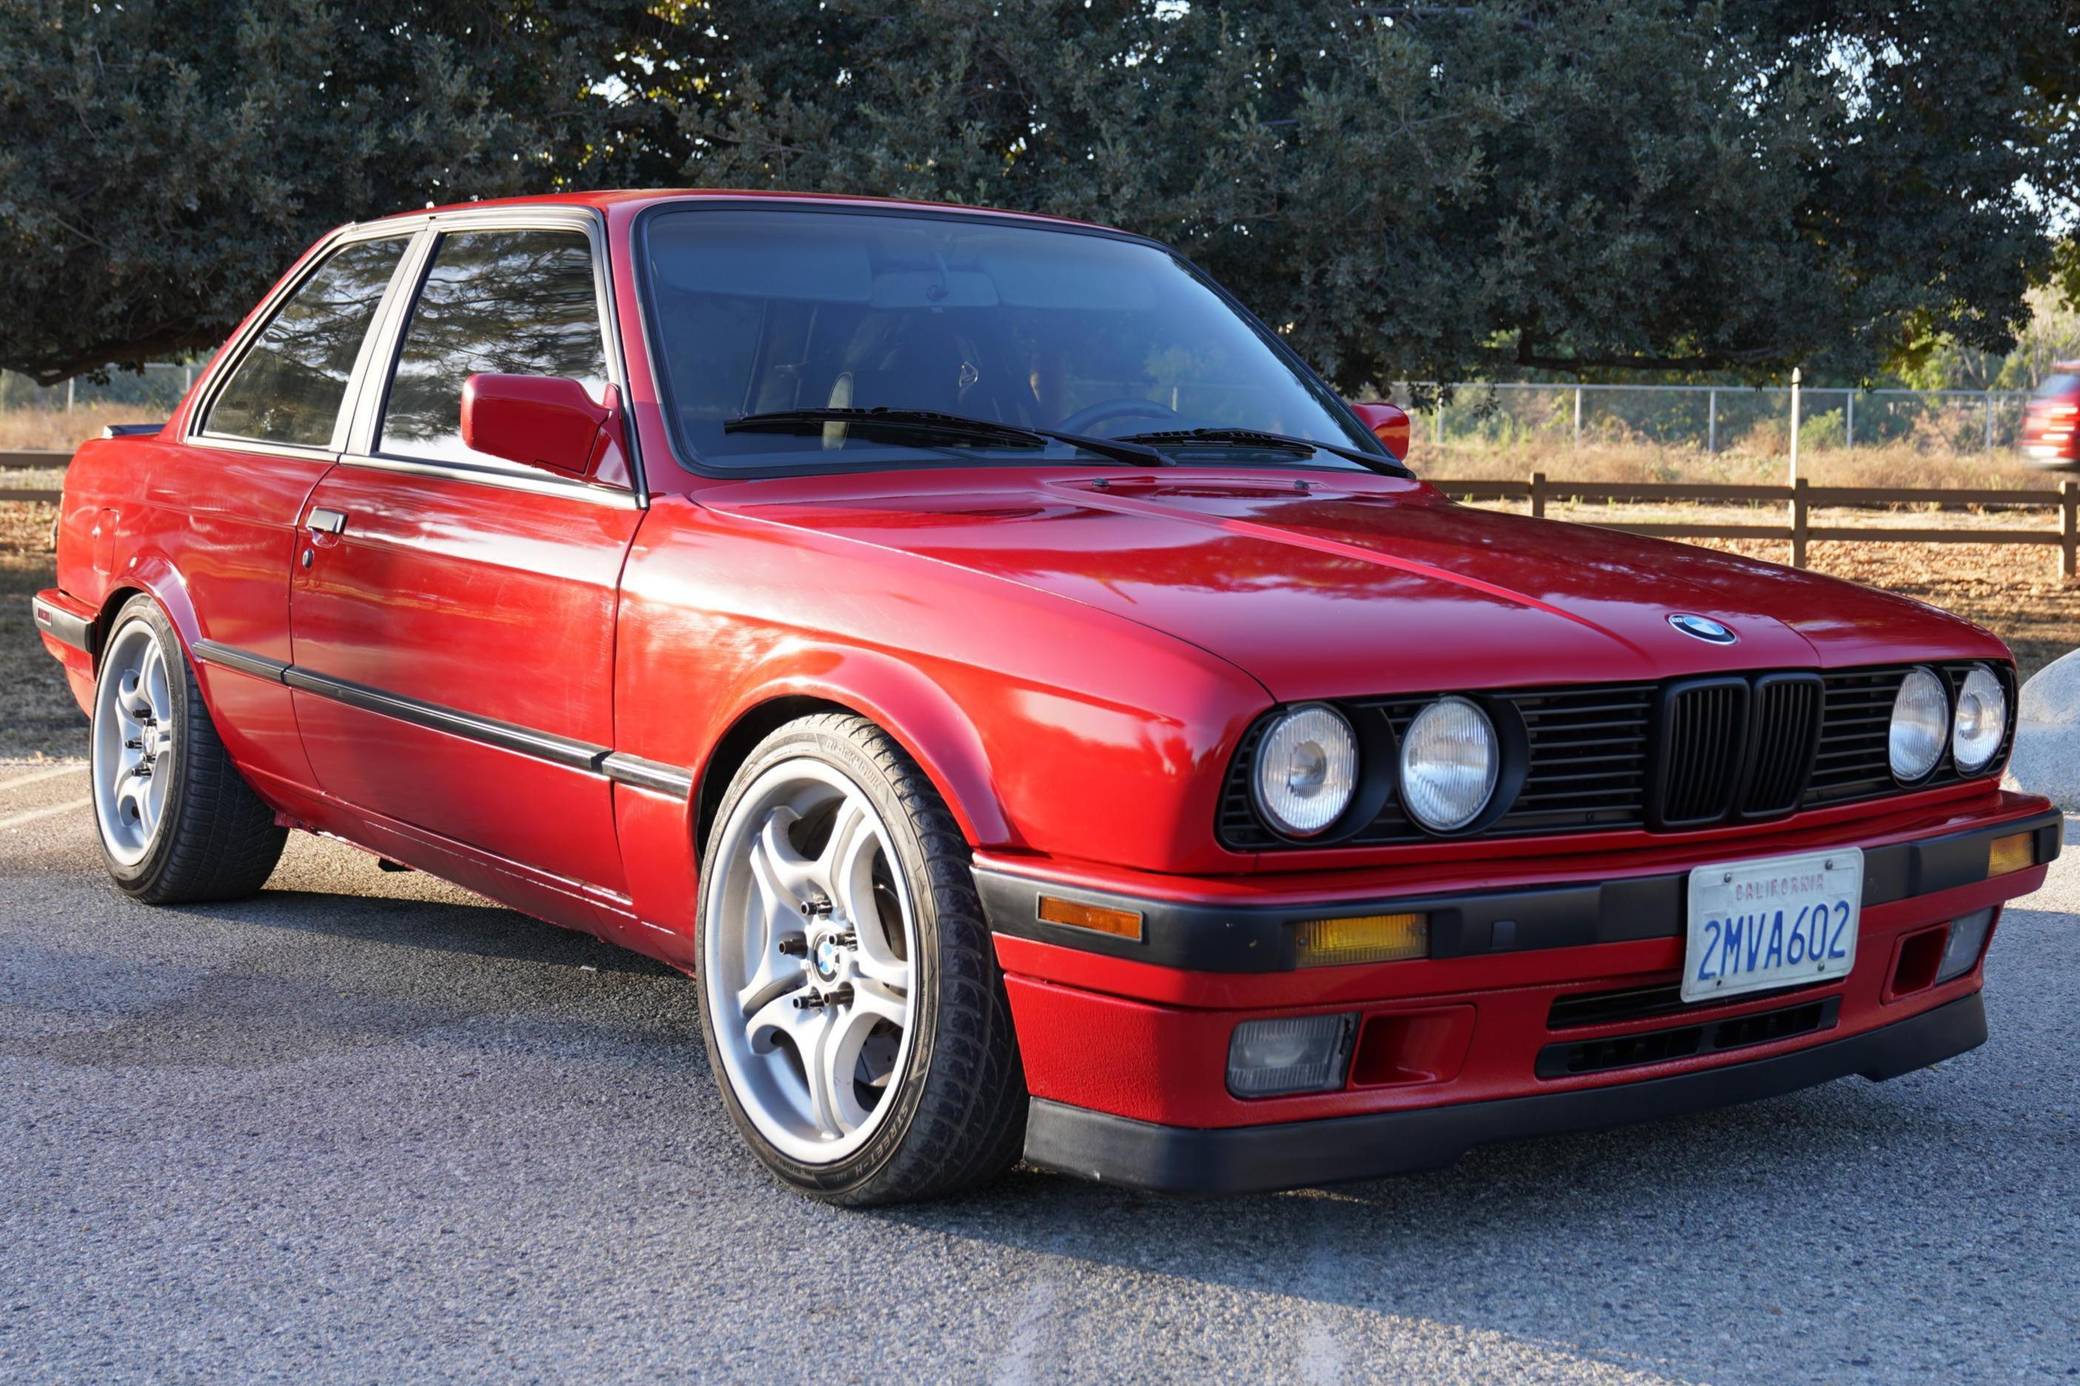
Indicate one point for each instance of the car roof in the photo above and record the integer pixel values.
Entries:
(625, 197)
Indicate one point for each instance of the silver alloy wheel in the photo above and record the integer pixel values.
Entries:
(133, 742)
(806, 961)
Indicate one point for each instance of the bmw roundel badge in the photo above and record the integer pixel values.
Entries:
(1702, 628)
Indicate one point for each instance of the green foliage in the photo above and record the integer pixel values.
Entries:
(162, 162)
(1408, 192)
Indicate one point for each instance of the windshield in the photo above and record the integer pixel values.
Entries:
(2058, 386)
(759, 311)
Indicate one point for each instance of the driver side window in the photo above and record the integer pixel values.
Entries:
(506, 302)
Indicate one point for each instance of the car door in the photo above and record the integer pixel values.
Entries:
(267, 424)
(453, 613)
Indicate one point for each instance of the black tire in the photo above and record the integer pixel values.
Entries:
(216, 840)
(960, 1101)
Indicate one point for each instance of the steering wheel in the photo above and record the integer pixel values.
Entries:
(1105, 411)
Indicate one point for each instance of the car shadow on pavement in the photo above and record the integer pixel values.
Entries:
(1698, 1246)
(479, 930)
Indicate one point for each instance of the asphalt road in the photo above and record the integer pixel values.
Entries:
(368, 1127)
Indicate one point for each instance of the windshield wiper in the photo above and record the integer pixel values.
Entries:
(931, 423)
(1271, 442)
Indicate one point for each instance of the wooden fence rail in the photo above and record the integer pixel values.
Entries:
(1800, 500)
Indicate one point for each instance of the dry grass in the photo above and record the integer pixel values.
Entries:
(1897, 464)
(62, 431)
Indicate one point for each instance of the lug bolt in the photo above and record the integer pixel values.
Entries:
(816, 908)
(794, 946)
(836, 996)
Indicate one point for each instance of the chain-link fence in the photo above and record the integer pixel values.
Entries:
(1720, 418)
(1710, 418)
(157, 387)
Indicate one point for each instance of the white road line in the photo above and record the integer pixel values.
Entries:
(33, 814)
(40, 776)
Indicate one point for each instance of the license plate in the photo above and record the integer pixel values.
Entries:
(1774, 922)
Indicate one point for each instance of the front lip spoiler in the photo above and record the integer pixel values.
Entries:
(1304, 1154)
(1259, 938)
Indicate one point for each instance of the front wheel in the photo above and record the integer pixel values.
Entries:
(177, 822)
(850, 998)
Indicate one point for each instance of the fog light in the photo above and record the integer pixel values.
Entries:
(1303, 1053)
(1967, 937)
(1361, 939)
(2015, 852)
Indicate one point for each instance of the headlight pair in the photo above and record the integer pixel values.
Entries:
(1306, 772)
(1922, 721)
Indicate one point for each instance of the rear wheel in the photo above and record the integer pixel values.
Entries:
(850, 999)
(177, 823)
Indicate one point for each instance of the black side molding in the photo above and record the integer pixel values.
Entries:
(508, 736)
(647, 774)
(1259, 938)
(224, 656)
(62, 625)
(1303, 1154)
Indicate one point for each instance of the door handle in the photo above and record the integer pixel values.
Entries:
(323, 521)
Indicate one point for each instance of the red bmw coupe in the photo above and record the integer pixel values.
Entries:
(1040, 716)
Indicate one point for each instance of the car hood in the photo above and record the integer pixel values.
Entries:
(1320, 585)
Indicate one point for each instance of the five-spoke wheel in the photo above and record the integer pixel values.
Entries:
(808, 960)
(850, 998)
(133, 740)
(177, 821)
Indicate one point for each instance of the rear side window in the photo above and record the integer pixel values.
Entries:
(507, 302)
(289, 386)
(2058, 386)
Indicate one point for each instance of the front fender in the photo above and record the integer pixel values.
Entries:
(895, 696)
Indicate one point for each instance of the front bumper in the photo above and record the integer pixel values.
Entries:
(1302, 1154)
(1547, 1001)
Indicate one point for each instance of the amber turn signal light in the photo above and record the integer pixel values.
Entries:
(2015, 852)
(1364, 938)
(1098, 918)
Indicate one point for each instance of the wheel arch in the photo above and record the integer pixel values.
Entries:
(924, 720)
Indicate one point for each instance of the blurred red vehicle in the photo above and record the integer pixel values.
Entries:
(2051, 420)
(1040, 715)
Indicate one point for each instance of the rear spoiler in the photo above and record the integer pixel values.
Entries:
(131, 430)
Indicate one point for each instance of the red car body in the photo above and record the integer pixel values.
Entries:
(538, 691)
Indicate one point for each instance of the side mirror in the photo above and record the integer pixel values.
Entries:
(543, 421)
(1389, 424)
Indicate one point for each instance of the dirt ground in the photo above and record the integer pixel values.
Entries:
(2014, 591)
(38, 718)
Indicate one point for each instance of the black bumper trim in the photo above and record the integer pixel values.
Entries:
(1259, 938)
(1303, 1154)
(61, 625)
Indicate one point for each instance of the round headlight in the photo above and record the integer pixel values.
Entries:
(1920, 725)
(1449, 761)
(1307, 770)
(1982, 720)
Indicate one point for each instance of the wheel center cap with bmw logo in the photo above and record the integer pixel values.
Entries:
(1702, 628)
(827, 958)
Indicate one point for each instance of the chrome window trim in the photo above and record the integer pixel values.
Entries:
(375, 373)
(195, 430)
(537, 483)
